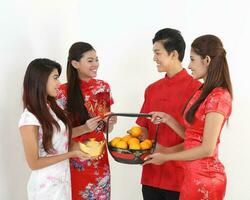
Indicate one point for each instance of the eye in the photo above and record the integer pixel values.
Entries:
(56, 77)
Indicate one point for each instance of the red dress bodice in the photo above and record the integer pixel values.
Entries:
(205, 178)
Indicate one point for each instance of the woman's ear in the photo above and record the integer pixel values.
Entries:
(75, 64)
(207, 60)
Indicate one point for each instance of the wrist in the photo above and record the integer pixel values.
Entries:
(71, 154)
(168, 119)
(85, 128)
(166, 157)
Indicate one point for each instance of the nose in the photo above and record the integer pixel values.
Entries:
(96, 64)
(154, 58)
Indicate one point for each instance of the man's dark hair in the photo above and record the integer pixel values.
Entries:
(171, 40)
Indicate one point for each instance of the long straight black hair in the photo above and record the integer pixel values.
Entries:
(35, 99)
(75, 98)
(217, 73)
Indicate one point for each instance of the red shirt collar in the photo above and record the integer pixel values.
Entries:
(183, 73)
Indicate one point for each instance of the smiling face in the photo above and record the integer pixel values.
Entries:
(198, 65)
(53, 83)
(162, 58)
(87, 66)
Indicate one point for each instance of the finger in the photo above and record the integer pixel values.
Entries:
(146, 162)
(148, 157)
(97, 118)
(94, 123)
(154, 117)
(107, 114)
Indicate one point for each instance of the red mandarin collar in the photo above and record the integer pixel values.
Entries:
(85, 84)
(180, 75)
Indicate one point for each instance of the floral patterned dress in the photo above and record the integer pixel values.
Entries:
(205, 178)
(91, 179)
(52, 182)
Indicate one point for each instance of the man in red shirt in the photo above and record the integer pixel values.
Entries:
(169, 94)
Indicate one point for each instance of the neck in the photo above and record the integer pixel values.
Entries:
(86, 79)
(174, 70)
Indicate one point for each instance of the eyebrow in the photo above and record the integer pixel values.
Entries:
(155, 50)
(92, 58)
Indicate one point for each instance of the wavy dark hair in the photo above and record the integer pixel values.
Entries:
(36, 100)
(217, 73)
(75, 98)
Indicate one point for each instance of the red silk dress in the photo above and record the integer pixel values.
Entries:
(90, 180)
(205, 178)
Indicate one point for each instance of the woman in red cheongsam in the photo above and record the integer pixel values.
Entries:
(205, 115)
(87, 100)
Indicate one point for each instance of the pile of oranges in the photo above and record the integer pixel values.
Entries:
(131, 140)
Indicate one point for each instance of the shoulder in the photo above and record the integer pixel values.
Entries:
(101, 84)
(155, 85)
(28, 118)
(219, 100)
(220, 93)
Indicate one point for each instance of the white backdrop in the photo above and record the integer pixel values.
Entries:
(121, 32)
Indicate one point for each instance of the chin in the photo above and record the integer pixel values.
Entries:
(159, 69)
(94, 75)
(53, 96)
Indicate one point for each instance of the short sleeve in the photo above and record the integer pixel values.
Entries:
(27, 118)
(111, 100)
(219, 100)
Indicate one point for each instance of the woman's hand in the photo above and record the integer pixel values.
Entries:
(156, 158)
(81, 155)
(112, 121)
(92, 124)
(160, 117)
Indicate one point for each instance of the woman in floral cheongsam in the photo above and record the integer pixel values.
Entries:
(87, 100)
(205, 115)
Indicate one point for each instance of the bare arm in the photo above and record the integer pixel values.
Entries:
(161, 117)
(29, 135)
(213, 124)
(173, 149)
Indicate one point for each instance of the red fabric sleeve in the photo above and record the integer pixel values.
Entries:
(219, 101)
